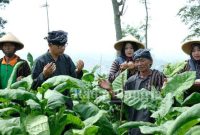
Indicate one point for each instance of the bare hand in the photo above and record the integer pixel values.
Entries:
(131, 65)
(105, 84)
(124, 66)
(49, 69)
(79, 65)
(19, 78)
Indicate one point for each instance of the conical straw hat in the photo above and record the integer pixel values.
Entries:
(118, 45)
(9, 37)
(187, 46)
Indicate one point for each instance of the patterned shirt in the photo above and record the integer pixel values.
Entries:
(135, 82)
(115, 69)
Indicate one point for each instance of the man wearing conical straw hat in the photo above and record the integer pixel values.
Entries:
(9, 44)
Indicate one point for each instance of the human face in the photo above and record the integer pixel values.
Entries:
(9, 49)
(143, 64)
(57, 49)
(129, 50)
(196, 52)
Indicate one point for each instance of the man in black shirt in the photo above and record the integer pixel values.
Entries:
(54, 62)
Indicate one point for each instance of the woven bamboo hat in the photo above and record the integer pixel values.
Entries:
(187, 46)
(9, 37)
(118, 45)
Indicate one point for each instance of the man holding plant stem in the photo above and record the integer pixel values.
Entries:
(9, 44)
(54, 62)
(144, 78)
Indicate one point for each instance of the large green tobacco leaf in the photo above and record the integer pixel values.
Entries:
(118, 83)
(54, 99)
(8, 111)
(141, 99)
(194, 131)
(19, 84)
(165, 106)
(93, 116)
(194, 98)
(86, 110)
(37, 125)
(59, 120)
(93, 126)
(133, 124)
(17, 94)
(25, 83)
(186, 120)
(100, 120)
(33, 105)
(29, 81)
(175, 112)
(10, 127)
(162, 129)
(179, 83)
(89, 130)
(172, 69)
(56, 80)
(74, 120)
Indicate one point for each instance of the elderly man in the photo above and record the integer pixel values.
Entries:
(9, 44)
(54, 62)
(144, 78)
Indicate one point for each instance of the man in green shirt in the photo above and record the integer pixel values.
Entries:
(9, 44)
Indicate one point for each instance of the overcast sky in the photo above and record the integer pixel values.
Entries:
(90, 25)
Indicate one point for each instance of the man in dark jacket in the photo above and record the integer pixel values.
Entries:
(9, 44)
(54, 62)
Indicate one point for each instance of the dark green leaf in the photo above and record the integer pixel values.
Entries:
(86, 110)
(194, 98)
(186, 120)
(17, 94)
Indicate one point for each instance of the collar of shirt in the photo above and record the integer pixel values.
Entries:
(12, 60)
(138, 75)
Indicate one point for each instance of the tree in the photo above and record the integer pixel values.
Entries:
(190, 15)
(146, 26)
(147, 21)
(2, 21)
(118, 9)
(137, 32)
